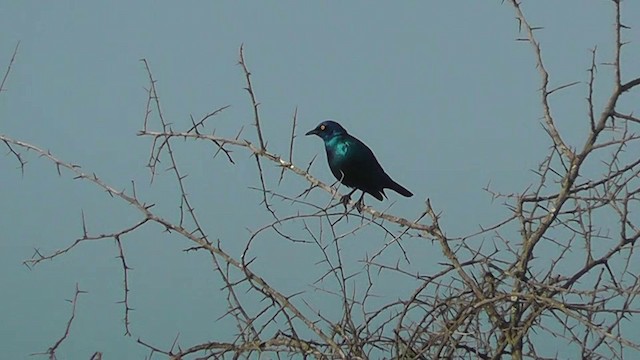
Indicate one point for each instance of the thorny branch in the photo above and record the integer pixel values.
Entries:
(51, 352)
(489, 299)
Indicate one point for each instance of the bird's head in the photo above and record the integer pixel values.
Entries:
(327, 130)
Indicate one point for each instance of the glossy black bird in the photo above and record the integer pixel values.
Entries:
(353, 163)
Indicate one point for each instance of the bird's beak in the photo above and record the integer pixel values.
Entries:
(312, 132)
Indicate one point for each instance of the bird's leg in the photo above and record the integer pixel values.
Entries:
(360, 203)
(345, 199)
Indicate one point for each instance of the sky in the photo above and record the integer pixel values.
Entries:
(441, 91)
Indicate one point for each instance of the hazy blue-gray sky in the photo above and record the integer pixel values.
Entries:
(440, 90)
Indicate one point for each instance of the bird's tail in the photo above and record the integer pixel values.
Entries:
(399, 189)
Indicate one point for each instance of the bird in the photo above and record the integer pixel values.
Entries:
(354, 164)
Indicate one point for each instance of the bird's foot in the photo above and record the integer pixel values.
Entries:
(360, 205)
(344, 200)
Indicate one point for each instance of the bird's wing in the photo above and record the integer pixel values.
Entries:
(362, 170)
(364, 159)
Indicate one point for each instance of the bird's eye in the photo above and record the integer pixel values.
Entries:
(322, 127)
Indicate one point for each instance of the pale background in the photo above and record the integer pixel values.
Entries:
(440, 90)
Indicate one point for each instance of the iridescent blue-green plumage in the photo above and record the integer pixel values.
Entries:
(353, 163)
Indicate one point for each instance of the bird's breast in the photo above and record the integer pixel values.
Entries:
(337, 151)
(342, 149)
